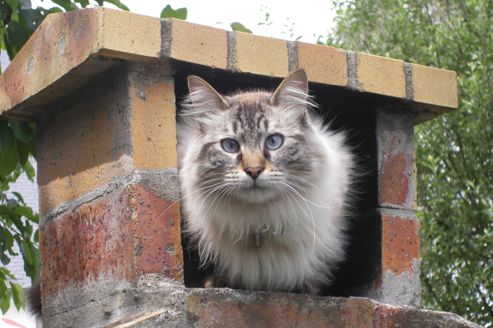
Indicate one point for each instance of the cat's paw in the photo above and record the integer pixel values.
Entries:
(213, 281)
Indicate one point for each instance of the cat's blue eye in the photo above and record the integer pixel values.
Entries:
(230, 145)
(274, 141)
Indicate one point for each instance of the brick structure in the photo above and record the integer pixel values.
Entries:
(102, 86)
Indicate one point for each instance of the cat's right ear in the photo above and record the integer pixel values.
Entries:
(203, 96)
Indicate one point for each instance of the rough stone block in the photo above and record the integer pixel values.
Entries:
(323, 64)
(434, 86)
(381, 75)
(195, 43)
(260, 55)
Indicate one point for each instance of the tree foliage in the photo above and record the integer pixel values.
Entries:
(455, 151)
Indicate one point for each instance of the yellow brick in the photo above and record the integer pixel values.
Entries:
(323, 64)
(61, 42)
(65, 189)
(434, 86)
(381, 75)
(83, 147)
(153, 125)
(130, 36)
(199, 44)
(261, 55)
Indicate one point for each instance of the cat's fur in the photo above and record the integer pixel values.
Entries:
(284, 230)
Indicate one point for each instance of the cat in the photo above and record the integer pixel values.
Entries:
(265, 186)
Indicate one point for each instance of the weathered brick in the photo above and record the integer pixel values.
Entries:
(400, 243)
(61, 42)
(391, 317)
(156, 232)
(219, 309)
(397, 277)
(131, 127)
(125, 35)
(94, 240)
(83, 147)
(381, 75)
(394, 180)
(153, 128)
(396, 159)
(197, 44)
(323, 64)
(261, 55)
(434, 86)
(124, 235)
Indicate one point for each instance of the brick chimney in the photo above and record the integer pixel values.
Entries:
(102, 86)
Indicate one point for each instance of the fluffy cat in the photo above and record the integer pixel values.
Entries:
(264, 185)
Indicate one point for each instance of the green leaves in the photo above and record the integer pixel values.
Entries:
(69, 5)
(66, 4)
(15, 291)
(16, 225)
(116, 3)
(16, 143)
(9, 156)
(17, 295)
(4, 293)
(180, 13)
(235, 26)
(22, 131)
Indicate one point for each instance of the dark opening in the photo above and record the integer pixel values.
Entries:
(351, 111)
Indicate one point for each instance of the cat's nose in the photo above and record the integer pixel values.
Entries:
(254, 172)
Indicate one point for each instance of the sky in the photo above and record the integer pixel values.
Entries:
(289, 20)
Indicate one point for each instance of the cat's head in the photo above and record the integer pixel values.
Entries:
(255, 146)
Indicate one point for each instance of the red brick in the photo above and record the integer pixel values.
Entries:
(277, 310)
(156, 233)
(394, 181)
(396, 155)
(122, 235)
(400, 243)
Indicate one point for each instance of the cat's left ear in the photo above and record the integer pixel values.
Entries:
(204, 95)
(293, 90)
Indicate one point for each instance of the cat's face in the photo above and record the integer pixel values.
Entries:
(254, 144)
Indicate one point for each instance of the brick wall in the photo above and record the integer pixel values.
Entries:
(102, 86)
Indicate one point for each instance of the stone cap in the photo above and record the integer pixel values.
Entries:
(68, 48)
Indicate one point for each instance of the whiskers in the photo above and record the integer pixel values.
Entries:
(216, 190)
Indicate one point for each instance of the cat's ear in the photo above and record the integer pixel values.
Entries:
(204, 96)
(293, 90)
